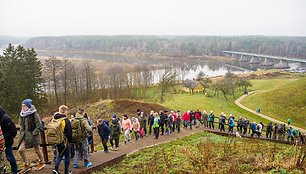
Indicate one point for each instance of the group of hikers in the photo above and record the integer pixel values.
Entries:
(71, 136)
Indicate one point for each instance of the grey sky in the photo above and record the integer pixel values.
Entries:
(154, 17)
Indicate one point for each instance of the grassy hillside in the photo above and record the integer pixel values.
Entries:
(280, 98)
(210, 153)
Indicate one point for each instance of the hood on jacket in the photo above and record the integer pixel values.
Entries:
(29, 112)
(2, 112)
(59, 115)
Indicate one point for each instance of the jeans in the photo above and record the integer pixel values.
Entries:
(191, 123)
(11, 158)
(60, 156)
(81, 147)
(127, 136)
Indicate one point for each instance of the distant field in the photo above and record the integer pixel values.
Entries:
(210, 153)
(280, 99)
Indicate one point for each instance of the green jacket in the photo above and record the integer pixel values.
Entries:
(115, 129)
(85, 124)
(142, 121)
(30, 127)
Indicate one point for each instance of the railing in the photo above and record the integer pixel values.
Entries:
(44, 145)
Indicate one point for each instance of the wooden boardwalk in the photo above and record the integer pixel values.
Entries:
(100, 159)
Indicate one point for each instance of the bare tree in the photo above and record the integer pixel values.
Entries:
(203, 80)
(53, 66)
(167, 83)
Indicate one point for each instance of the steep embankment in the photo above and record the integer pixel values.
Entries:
(282, 101)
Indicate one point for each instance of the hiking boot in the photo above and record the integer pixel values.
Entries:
(69, 172)
(116, 149)
(55, 172)
(26, 168)
(75, 165)
(124, 142)
(88, 164)
(39, 166)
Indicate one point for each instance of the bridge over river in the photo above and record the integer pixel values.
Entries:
(265, 60)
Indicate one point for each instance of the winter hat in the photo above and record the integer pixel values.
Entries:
(114, 116)
(138, 110)
(27, 102)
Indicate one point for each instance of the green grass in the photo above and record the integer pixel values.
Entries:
(281, 98)
(204, 152)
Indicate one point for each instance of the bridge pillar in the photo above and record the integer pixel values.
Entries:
(243, 58)
(282, 65)
(254, 60)
(267, 62)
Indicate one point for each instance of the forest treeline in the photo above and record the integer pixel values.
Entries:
(175, 45)
(54, 81)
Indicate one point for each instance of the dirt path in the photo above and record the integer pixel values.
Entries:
(237, 102)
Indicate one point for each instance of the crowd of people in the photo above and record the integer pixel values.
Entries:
(71, 136)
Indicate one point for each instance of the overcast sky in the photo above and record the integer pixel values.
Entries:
(152, 17)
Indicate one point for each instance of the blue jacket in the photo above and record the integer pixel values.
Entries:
(104, 130)
(253, 126)
(211, 117)
(232, 122)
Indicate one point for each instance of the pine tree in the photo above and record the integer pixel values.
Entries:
(20, 77)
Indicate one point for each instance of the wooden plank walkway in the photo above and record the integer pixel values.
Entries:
(101, 159)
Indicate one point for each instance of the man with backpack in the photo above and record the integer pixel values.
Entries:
(104, 132)
(59, 132)
(30, 127)
(9, 132)
(80, 130)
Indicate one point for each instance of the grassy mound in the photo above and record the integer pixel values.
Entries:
(280, 98)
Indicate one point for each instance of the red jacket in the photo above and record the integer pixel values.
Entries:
(198, 116)
(186, 116)
(174, 117)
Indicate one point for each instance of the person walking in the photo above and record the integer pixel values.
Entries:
(163, 118)
(115, 133)
(205, 119)
(30, 127)
(289, 121)
(245, 124)
(222, 122)
(64, 148)
(127, 127)
(186, 119)
(136, 127)
(80, 131)
(151, 121)
(253, 127)
(269, 131)
(211, 120)
(178, 121)
(104, 132)
(156, 125)
(9, 132)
